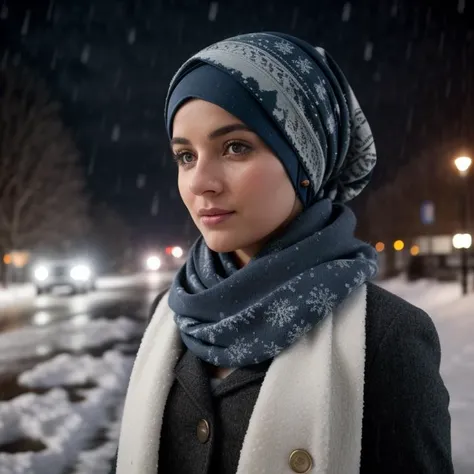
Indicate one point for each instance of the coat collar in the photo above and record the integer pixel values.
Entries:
(193, 376)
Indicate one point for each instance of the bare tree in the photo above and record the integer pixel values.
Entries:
(42, 197)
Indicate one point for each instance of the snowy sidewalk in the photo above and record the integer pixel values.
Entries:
(60, 415)
(14, 293)
(454, 320)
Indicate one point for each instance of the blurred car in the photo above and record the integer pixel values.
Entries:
(170, 258)
(77, 275)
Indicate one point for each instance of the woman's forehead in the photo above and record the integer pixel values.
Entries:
(197, 116)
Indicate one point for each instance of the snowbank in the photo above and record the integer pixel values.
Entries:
(65, 427)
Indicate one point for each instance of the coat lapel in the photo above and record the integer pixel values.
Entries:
(311, 399)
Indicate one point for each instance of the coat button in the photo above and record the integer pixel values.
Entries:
(301, 461)
(203, 431)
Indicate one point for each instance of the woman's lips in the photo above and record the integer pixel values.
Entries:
(216, 219)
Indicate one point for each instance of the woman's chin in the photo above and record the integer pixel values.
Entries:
(222, 245)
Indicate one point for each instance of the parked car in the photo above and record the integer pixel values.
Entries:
(77, 275)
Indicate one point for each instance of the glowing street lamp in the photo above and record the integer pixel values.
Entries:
(463, 163)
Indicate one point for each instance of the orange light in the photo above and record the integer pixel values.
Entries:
(20, 259)
(380, 246)
(169, 250)
(415, 250)
(7, 259)
(398, 245)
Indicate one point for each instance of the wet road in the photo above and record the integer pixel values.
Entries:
(61, 322)
(40, 329)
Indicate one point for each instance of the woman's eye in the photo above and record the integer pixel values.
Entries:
(237, 148)
(184, 158)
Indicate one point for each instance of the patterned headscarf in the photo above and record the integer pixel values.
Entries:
(303, 93)
(297, 100)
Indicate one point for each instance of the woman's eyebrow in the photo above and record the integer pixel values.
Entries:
(215, 134)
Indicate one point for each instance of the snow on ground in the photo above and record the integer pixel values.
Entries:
(425, 294)
(67, 427)
(454, 320)
(77, 334)
(15, 293)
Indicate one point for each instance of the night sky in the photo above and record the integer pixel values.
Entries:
(411, 64)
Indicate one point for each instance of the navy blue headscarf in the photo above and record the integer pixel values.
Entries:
(298, 101)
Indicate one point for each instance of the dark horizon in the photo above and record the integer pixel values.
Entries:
(109, 63)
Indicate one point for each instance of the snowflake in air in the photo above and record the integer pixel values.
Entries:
(280, 312)
(298, 331)
(321, 300)
(284, 47)
(240, 349)
(304, 65)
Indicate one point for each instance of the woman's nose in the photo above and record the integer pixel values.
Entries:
(205, 177)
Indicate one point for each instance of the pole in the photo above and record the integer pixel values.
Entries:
(464, 270)
(467, 211)
(465, 224)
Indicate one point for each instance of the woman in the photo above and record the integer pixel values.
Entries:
(272, 351)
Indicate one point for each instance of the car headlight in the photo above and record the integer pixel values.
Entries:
(41, 273)
(153, 263)
(80, 273)
(177, 252)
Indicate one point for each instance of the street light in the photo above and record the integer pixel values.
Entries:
(463, 164)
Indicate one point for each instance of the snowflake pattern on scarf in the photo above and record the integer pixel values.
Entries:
(232, 316)
(253, 313)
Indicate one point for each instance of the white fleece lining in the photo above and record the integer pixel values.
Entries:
(311, 397)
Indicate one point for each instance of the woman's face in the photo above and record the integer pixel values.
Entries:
(227, 170)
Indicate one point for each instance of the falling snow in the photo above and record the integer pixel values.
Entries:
(155, 205)
(394, 10)
(346, 12)
(54, 59)
(294, 18)
(49, 13)
(85, 54)
(132, 36)
(26, 23)
(141, 181)
(213, 9)
(3, 12)
(115, 137)
(368, 50)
